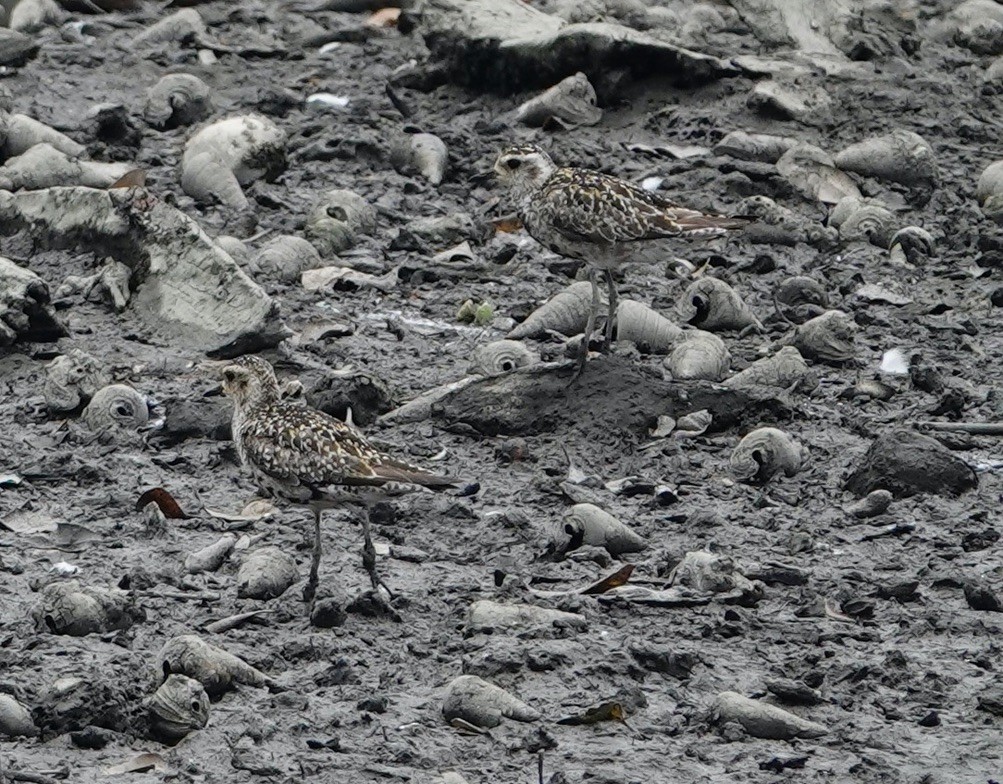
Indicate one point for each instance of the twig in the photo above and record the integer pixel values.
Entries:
(225, 624)
(23, 775)
(203, 596)
(973, 428)
(539, 765)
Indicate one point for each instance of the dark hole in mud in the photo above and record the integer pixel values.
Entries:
(338, 213)
(51, 623)
(703, 310)
(167, 670)
(507, 365)
(123, 410)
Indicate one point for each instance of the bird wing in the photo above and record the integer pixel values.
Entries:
(589, 206)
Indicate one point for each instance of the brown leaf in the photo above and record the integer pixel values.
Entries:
(508, 224)
(607, 711)
(164, 500)
(134, 178)
(615, 580)
(385, 17)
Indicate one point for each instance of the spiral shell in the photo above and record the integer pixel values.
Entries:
(71, 380)
(336, 219)
(567, 313)
(572, 101)
(900, 156)
(178, 707)
(647, 328)
(217, 670)
(483, 704)
(700, 355)
(116, 407)
(869, 223)
(421, 153)
(501, 356)
(75, 610)
(711, 304)
(763, 453)
(587, 524)
(785, 369)
(285, 258)
(177, 99)
(813, 172)
(829, 337)
(913, 242)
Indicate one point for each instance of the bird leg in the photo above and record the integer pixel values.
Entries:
(310, 591)
(590, 325)
(369, 554)
(611, 311)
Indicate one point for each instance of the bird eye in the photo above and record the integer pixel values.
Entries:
(229, 375)
(513, 163)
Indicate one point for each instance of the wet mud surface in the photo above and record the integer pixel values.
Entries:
(887, 620)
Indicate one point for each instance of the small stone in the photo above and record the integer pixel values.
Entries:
(981, 597)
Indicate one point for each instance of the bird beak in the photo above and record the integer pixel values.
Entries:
(216, 391)
(482, 178)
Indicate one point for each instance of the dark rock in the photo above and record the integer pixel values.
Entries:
(663, 660)
(981, 597)
(793, 692)
(991, 700)
(906, 463)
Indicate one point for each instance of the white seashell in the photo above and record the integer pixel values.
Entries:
(15, 719)
(813, 172)
(336, 219)
(266, 573)
(116, 407)
(912, 244)
(217, 670)
(894, 362)
(75, 610)
(327, 100)
(869, 223)
(762, 720)
(763, 453)
(43, 166)
(64, 569)
(178, 707)
(829, 337)
(785, 369)
(19, 133)
(566, 313)
(177, 99)
(900, 156)
(571, 101)
(587, 524)
(699, 355)
(285, 258)
(711, 304)
(648, 329)
(28, 16)
(483, 704)
(422, 153)
(210, 558)
(501, 356)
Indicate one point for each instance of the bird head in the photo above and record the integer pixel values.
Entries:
(250, 381)
(524, 167)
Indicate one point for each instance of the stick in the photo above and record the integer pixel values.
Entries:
(973, 428)
(539, 765)
(23, 775)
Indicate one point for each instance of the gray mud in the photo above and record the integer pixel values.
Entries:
(899, 660)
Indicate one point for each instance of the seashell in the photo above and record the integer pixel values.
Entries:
(421, 153)
(829, 337)
(217, 670)
(711, 304)
(420, 408)
(178, 707)
(19, 133)
(761, 147)
(587, 524)
(15, 719)
(483, 704)
(116, 407)
(785, 369)
(346, 278)
(210, 558)
(646, 328)
(801, 290)
(29, 16)
(285, 258)
(566, 313)
(235, 248)
(43, 166)
(764, 452)
(182, 25)
(813, 173)
(873, 504)
(266, 573)
(501, 356)
(707, 572)
(700, 355)
(176, 100)
(869, 223)
(762, 720)
(911, 244)
(239, 150)
(900, 156)
(571, 101)
(75, 610)
(71, 380)
(336, 219)
(485, 615)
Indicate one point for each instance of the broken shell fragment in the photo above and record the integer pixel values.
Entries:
(813, 172)
(785, 369)
(501, 356)
(217, 670)
(474, 700)
(485, 615)
(336, 220)
(571, 101)
(700, 355)
(707, 573)
(176, 100)
(763, 453)
(648, 329)
(285, 258)
(75, 610)
(116, 407)
(912, 244)
(711, 304)
(587, 524)
(178, 707)
(829, 337)
(762, 720)
(900, 156)
(210, 558)
(421, 153)
(266, 573)
(566, 313)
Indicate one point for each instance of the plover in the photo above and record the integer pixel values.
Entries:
(588, 215)
(308, 458)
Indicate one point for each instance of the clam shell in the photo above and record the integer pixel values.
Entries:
(285, 258)
(572, 100)
(483, 704)
(116, 407)
(763, 453)
(178, 707)
(829, 337)
(587, 524)
(647, 328)
(813, 172)
(422, 153)
(336, 219)
(900, 156)
(217, 670)
(785, 369)
(567, 313)
(700, 355)
(711, 304)
(501, 356)
(177, 99)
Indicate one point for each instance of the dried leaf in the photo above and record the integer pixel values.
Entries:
(254, 511)
(140, 764)
(168, 506)
(607, 711)
(28, 522)
(507, 225)
(134, 178)
(385, 17)
(615, 580)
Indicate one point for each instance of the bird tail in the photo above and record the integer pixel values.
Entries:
(414, 476)
(707, 225)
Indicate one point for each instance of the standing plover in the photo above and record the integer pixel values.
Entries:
(588, 215)
(309, 458)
